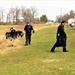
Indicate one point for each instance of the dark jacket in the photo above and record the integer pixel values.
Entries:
(61, 36)
(28, 29)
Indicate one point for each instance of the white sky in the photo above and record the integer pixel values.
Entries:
(51, 8)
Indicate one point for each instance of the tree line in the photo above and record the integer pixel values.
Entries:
(66, 16)
(20, 15)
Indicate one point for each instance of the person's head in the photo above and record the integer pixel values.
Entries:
(11, 28)
(27, 23)
(63, 22)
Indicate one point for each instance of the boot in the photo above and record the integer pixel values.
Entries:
(64, 49)
(52, 50)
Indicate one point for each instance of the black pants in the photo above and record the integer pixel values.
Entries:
(28, 39)
(57, 44)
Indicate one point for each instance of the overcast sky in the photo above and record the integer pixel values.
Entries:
(51, 8)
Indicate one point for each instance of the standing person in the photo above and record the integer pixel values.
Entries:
(28, 32)
(61, 37)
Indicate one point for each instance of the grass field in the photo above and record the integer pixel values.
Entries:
(36, 59)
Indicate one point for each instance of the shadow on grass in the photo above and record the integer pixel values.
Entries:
(11, 45)
(49, 51)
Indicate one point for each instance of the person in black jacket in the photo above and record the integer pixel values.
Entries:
(61, 37)
(13, 32)
(28, 32)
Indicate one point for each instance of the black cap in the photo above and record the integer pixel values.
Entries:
(27, 22)
(63, 21)
(11, 28)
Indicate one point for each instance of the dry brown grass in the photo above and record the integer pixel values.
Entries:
(6, 44)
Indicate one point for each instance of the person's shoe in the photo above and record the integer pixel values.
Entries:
(52, 51)
(65, 51)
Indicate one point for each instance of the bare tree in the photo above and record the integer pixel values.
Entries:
(1, 15)
(8, 18)
(26, 14)
(29, 14)
(71, 14)
(66, 16)
(23, 12)
(11, 16)
(34, 13)
(17, 14)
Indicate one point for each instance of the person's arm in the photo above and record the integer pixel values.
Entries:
(31, 29)
(25, 29)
